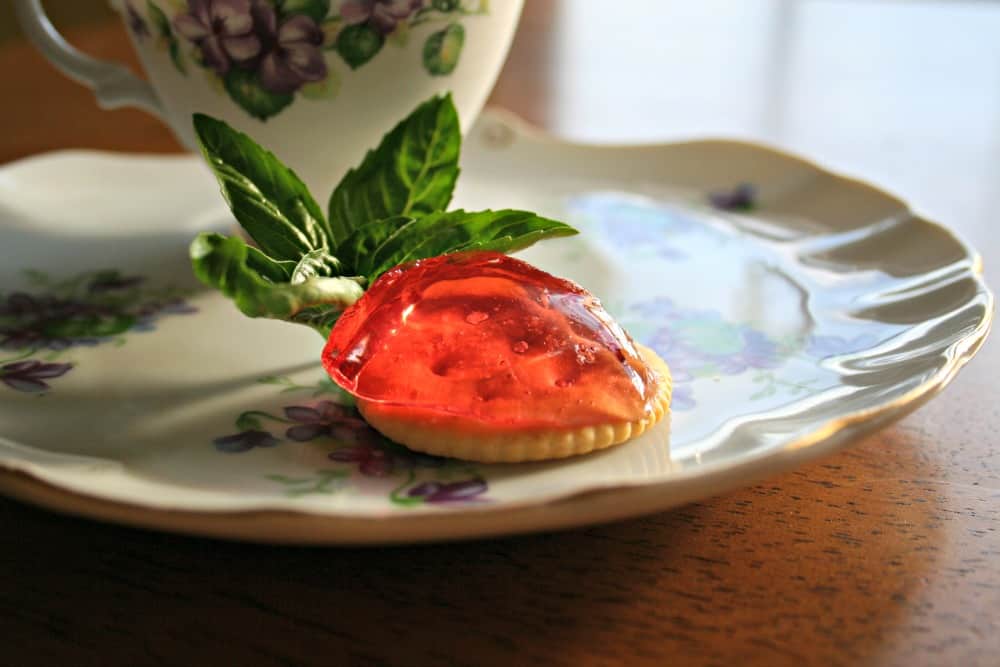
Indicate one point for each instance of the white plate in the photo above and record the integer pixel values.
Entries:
(826, 309)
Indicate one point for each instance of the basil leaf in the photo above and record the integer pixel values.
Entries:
(224, 263)
(388, 210)
(267, 198)
(364, 239)
(517, 232)
(272, 269)
(321, 317)
(412, 172)
(452, 231)
(315, 264)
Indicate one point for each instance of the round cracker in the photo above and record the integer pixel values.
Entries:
(445, 436)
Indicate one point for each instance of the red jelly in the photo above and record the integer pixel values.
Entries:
(491, 340)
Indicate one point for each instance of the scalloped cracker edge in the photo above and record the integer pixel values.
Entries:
(440, 439)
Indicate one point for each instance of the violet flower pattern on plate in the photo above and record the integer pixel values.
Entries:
(356, 451)
(42, 324)
(697, 342)
(264, 53)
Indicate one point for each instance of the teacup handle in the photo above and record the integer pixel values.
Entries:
(113, 84)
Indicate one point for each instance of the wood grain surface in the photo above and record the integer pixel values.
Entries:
(886, 554)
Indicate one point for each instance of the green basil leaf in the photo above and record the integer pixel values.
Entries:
(223, 263)
(451, 231)
(320, 317)
(509, 243)
(271, 269)
(267, 198)
(518, 232)
(366, 238)
(315, 264)
(412, 172)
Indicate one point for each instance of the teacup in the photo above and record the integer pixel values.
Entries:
(317, 81)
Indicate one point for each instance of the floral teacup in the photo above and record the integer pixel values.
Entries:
(318, 81)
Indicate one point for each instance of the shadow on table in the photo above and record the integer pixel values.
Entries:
(802, 566)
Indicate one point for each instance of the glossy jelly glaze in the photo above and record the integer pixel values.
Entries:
(492, 340)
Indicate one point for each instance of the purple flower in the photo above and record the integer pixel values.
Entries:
(37, 321)
(30, 375)
(176, 307)
(136, 23)
(700, 342)
(24, 338)
(383, 15)
(148, 313)
(222, 29)
(107, 281)
(682, 397)
(449, 492)
(378, 458)
(822, 347)
(636, 225)
(373, 461)
(741, 198)
(19, 304)
(47, 321)
(244, 441)
(758, 352)
(292, 50)
(326, 419)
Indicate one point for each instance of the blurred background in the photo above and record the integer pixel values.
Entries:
(64, 14)
(903, 93)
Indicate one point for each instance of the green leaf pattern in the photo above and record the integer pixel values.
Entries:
(442, 50)
(166, 36)
(244, 88)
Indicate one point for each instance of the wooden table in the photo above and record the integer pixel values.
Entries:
(886, 554)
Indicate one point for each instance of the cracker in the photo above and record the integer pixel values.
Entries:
(445, 436)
